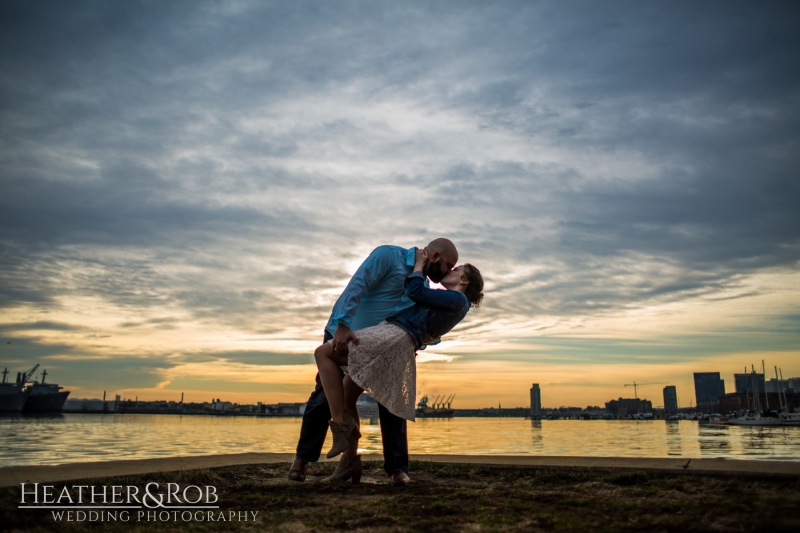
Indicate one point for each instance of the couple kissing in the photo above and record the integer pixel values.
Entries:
(386, 313)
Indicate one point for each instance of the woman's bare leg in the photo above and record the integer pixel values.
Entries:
(351, 394)
(331, 377)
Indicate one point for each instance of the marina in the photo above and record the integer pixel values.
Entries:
(753, 412)
(767, 418)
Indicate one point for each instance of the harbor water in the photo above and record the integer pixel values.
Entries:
(71, 438)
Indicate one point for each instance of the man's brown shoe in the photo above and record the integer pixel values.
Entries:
(400, 479)
(298, 470)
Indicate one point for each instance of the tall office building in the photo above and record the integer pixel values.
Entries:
(708, 387)
(744, 383)
(670, 400)
(536, 402)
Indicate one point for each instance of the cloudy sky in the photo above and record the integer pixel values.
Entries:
(187, 187)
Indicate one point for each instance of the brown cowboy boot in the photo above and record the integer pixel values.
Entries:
(342, 434)
(346, 471)
(298, 470)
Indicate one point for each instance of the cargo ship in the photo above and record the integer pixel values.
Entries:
(45, 397)
(12, 395)
(439, 408)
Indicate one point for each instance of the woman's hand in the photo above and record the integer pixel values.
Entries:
(420, 259)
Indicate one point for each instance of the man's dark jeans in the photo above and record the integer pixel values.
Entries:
(315, 428)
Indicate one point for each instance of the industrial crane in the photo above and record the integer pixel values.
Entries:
(449, 401)
(445, 402)
(635, 385)
(23, 377)
(442, 402)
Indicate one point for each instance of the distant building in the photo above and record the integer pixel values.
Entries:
(625, 407)
(218, 405)
(78, 405)
(284, 409)
(367, 406)
(536, 402)
(708, 387)
(568, 412)
(776, 385)
(670, 400)
(744, 383)
(794, 384)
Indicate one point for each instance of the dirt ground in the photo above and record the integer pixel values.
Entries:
(449, 498)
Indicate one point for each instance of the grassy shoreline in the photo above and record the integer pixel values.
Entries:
(454, 497)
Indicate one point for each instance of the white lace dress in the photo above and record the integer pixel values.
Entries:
(384, 365)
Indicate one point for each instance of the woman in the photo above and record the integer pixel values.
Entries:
(383, 361)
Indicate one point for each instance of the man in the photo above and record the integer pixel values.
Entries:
(375, 292)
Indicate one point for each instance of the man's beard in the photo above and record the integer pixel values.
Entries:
(435, 271)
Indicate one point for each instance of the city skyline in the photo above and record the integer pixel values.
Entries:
(187, 188)
(534, 392)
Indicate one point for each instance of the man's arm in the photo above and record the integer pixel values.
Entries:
(371, 272)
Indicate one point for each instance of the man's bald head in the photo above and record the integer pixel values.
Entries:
(442, 257)
(445, 247)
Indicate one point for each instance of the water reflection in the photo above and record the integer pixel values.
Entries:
(83, 437)
(537, 438)
(673, 428)
(714, 439)
(759, 439)
(762, 440)
(32, 416)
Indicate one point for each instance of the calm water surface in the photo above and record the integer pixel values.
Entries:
(71, 438)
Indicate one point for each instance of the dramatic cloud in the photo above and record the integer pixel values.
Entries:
(188, 186)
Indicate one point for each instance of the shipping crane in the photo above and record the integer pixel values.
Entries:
(449, 401)
(23, 377)
(443, 401)
(635, 385)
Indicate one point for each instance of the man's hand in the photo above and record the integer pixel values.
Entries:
(420, 259)
(341, 339)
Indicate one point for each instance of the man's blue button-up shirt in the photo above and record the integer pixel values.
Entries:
(376, 291)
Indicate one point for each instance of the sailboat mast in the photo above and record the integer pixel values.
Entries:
(747, 391)
(756, 393)
(785, 401)
(780, 400)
